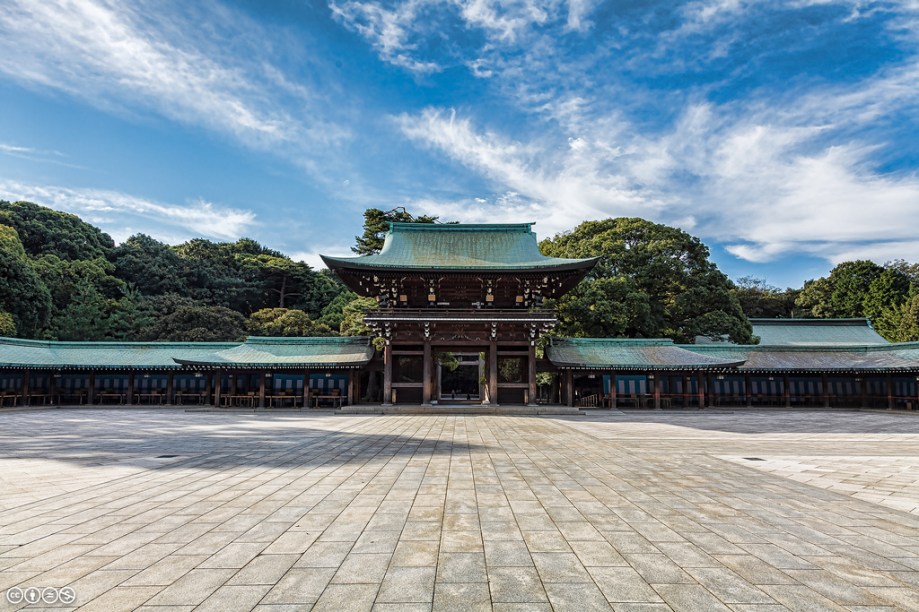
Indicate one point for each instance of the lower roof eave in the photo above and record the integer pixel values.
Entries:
(901, 370)
(85, 368)
(645, 368)
(270, 366)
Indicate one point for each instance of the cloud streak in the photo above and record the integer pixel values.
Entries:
(130, 58)
(121, 215)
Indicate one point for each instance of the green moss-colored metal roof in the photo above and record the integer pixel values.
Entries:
(17, 353)
(254, 352)
(459, 247)
(290, 352)
(631, 354)
(815, 332)
(831, 358)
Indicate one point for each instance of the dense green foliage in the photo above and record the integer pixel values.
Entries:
(376, 223)
(22, 293)
(651, 281)
(46, 231)
(759, 299)
(62, 278)
(285, 322)
(885, 294)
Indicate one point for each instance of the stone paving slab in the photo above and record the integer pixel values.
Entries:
(165, 510)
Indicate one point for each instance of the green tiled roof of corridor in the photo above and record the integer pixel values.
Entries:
(18, 353)
(834, 358)
(254, 352)
(812, 332)
(631, 354)
(459, 247)
(289, 352)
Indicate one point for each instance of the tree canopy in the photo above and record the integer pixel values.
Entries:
(285, 322)
(863, 288)
(652, 280)
(43, 230)
(22, 293)
(376, 224)
(62, 278)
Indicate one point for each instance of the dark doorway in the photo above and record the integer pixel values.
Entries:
(462, 382)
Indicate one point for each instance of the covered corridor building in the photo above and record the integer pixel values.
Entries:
(459, 320)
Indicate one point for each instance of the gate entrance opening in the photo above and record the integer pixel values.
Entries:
(463, 382)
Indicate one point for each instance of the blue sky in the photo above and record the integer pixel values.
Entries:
(782, 133)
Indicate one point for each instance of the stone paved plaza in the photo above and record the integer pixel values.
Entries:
(167, 510)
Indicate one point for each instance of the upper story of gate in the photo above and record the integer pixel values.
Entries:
(460, 266)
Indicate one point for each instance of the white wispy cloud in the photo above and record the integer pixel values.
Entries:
(767, 179)
(554, 181)
(406, 33)
(121, 214)
(48, 156)
(389, 30)
(134, 59)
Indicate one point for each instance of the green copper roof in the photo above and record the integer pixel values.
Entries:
(811, 332)
(889, 357)
(630, 354)
(290, 352)
(459, 247)
(254, 352)
(101, 355)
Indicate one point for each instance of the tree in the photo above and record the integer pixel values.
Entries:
(22, 293)
(376, 224)
(198, 323)
(651, 280)
(842, 293)
(908, 330)
(352, 323)
(332, 315)
(883, 302)
(151, 266)
(128, 319)
(285, 322)
(85, 317)
(62, 276)
(606, 307)
(283, 281)
(7, 325)
(759, 299)
(46, 231)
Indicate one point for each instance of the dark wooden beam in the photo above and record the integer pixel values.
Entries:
(387, 375)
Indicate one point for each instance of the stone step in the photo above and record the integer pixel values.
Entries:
(461, 409)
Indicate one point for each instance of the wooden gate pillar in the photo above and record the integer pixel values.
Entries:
(354, 390)
(427, 370)
(531, 375)
(569, 388)
(657, 391)
(786, 390)
(306, 389)
(130, 390)
(387, 375)
(748, 390)
(825, 390)
(493, 372)
(261, 389)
